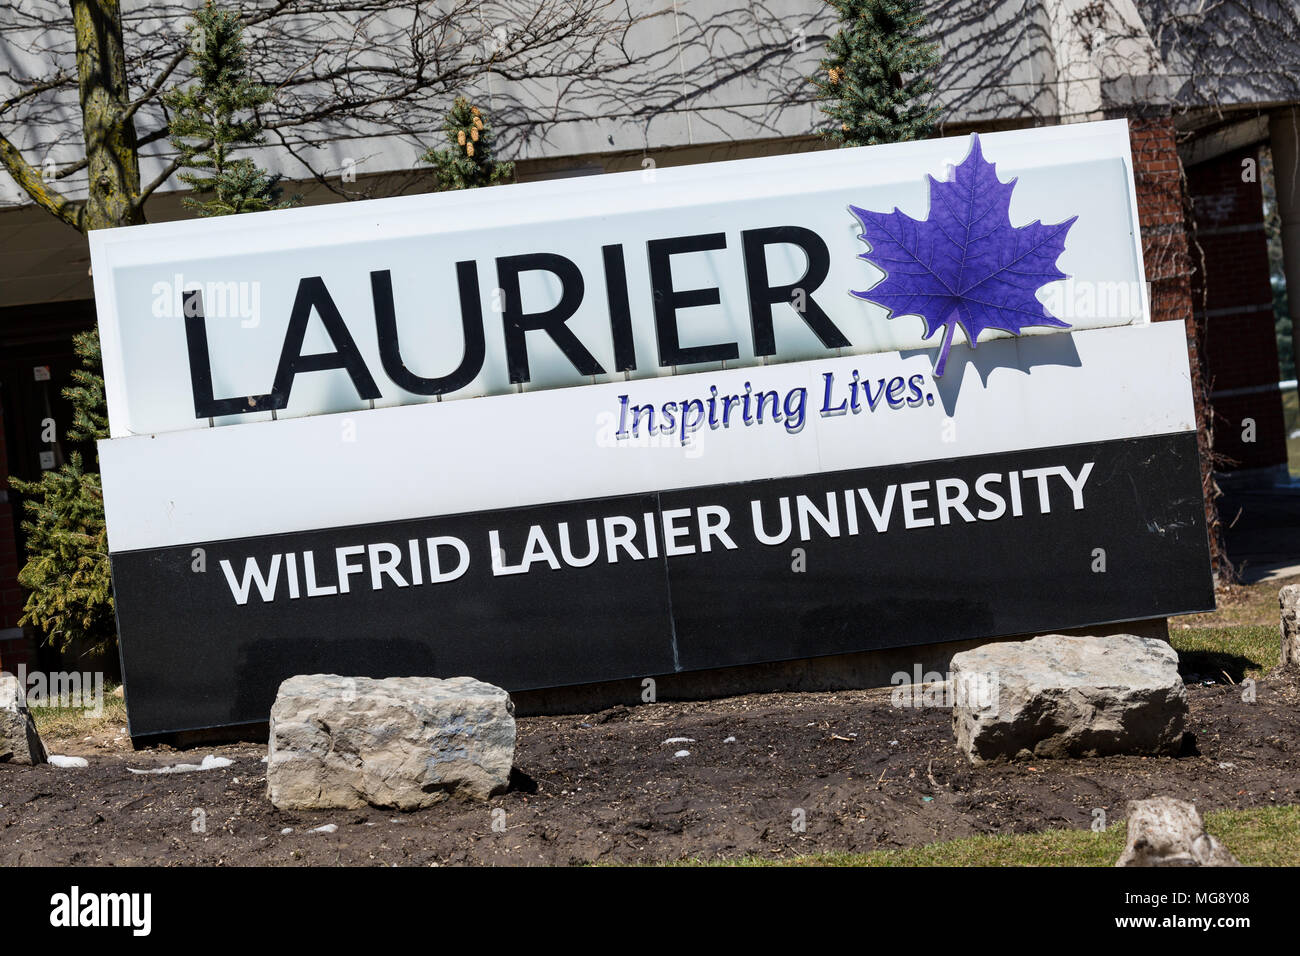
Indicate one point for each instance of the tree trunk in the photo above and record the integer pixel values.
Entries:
(113, 167)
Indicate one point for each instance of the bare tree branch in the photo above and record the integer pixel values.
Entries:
(30, 181)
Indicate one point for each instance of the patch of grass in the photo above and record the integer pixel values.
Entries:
(1240, 638)
(1261, 836)
(54, 722)
(1264, 836)
(1240, 651)
(1240, 604)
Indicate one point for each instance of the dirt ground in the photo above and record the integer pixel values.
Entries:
(608, 788)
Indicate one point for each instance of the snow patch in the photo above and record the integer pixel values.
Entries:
(210, 762)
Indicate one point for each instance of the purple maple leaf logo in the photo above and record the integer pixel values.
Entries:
(966, 264)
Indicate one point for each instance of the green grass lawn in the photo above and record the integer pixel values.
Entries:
(74, 722)
(1263, 836)
(1240, 639)
(1238, 651)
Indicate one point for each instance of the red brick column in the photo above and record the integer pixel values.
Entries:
(1167, 253)
(1233, 299)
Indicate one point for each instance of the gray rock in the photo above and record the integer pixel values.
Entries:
(401, 742)
(1062, 696)
(1163, 831)
(19, 741)
(1289, 599)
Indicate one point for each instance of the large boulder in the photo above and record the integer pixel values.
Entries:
(1062, 696)
(1289, 599)
(1163, 831)
(19, 741)
(401, 742)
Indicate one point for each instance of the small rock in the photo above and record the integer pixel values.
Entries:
(325, 828)
(682, 753)
(1289, 600)
(680, 740)
(401, 742)
(19, 741)
(286, 831)
(1068, 696)
(730, 740)
(1163, 831)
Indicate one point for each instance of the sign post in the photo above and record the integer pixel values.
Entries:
(625, 428)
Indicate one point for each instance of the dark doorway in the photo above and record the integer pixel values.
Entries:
(36, 364)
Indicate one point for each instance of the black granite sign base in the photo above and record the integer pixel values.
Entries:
(649, 585)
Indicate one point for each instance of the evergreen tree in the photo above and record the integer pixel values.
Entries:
(467, 162)
(216, 116)
(86, 393)
(67, 571)
(874, 79)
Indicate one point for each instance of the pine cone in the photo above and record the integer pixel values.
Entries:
(473, 134)
(460, 137)
(469, 149)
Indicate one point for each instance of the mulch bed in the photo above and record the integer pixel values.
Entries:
(606, 788)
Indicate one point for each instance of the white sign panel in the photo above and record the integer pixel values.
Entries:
(626, 276)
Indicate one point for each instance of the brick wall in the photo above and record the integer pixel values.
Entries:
(1234, 300)
(1157, 172)
(1168, 256)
